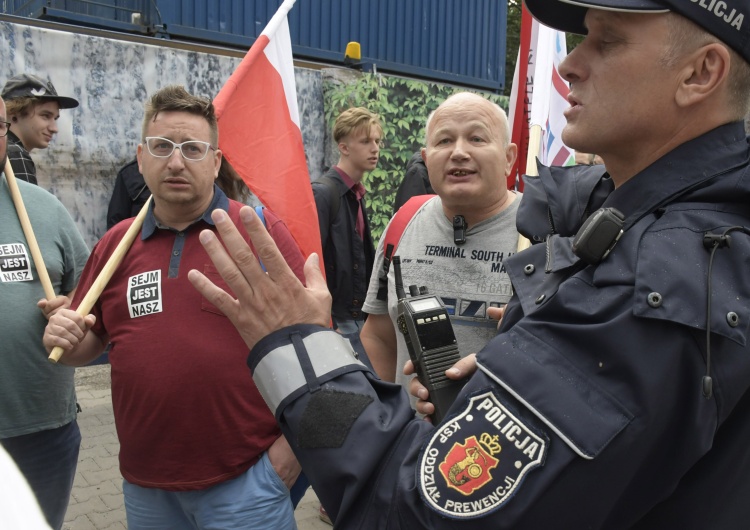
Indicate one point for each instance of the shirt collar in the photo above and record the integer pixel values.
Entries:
(357, 187)
(12, 138)
(150, 224)
(717, 152)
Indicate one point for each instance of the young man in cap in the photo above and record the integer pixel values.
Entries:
(617, 393)
(33, 109)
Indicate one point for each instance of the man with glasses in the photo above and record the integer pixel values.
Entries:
(38, 425)
(198, 448)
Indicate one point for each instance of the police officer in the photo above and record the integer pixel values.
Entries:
(616, 393)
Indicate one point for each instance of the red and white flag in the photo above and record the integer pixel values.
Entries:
(259, 131)
(539, 96)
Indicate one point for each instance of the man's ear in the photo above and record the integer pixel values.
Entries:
(344, 148)
(511, 153)
(139, 156)
(218, 155)
(704, 73)
(423, 153)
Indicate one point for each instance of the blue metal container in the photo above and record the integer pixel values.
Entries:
(107, 14)
(453, 41)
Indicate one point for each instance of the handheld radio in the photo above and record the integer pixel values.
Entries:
(432, 345)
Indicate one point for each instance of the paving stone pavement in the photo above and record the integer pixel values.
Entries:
(96, 501)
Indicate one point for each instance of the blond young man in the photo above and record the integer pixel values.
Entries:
(348, 249)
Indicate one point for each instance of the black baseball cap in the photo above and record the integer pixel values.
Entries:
(724, 19)
(27, 85)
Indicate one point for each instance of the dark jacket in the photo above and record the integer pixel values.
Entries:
(347, 258)
(560, 199)
(588, 408)
(416, 182)
(129, 195)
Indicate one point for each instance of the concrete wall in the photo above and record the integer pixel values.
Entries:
(112, 79)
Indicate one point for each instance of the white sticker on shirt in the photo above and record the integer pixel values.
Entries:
(144, 294)
(15, 265)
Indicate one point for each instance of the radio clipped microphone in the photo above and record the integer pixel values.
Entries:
(459, 229)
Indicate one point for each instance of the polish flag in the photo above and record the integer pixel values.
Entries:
(519, 106)
(259, 131)
(539, 97)
(551, 91)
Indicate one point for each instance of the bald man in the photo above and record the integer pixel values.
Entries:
(468, 155)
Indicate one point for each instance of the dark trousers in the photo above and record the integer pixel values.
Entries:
(48, 460)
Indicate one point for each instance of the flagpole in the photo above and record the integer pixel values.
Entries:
(535, 144)
(280, 15)
(28, 232)
(107, 271)
(535, 148)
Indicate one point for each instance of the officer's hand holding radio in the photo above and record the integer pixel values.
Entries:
(497, 314)
(463, 369)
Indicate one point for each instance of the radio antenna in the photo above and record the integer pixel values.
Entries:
(399, 281)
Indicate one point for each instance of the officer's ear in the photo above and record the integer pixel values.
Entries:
(703, 73)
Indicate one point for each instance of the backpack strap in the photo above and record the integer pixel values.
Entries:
(392, 237)
(259, 211)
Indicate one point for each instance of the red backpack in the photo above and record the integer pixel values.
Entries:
(392, 237)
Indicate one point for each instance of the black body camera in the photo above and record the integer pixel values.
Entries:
(598, 235)
(432, 345)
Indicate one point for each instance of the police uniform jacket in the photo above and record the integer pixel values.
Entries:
(590, 409)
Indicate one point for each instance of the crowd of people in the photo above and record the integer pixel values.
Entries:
(607, 384)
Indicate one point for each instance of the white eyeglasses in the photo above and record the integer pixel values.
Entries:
(193, 150)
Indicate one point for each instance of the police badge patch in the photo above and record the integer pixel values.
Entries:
(475, 462)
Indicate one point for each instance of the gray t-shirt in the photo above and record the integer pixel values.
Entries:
(468, 278)
(35, 395)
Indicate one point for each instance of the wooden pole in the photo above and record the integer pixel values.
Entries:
(535, 142)
(84, 308)
(28, 232)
